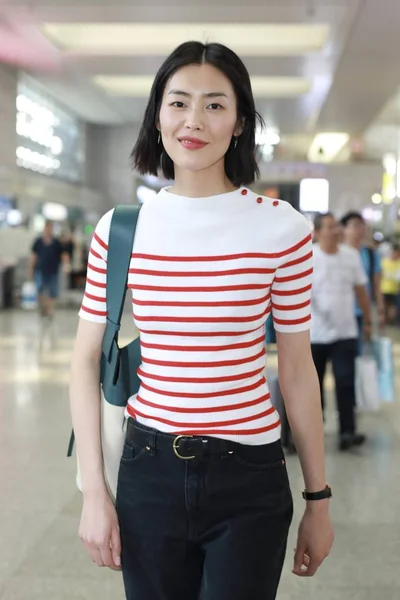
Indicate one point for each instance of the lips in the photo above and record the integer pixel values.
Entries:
(191, 143)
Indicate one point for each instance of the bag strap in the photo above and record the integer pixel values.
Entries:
(120, 243)
(371, 265)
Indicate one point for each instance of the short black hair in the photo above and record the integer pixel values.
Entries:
(319, 220)
(240, 162)
(344, 221)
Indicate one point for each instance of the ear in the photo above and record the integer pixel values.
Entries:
(239, 127)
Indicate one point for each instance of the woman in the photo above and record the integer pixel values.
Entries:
(390, 284)
(203, 498)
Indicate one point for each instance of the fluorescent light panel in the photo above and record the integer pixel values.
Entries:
(138, 39)
(326, 146)
(263, 87)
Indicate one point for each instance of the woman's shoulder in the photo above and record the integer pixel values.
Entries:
(282, 215)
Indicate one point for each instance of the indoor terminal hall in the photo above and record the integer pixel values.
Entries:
(223, 349)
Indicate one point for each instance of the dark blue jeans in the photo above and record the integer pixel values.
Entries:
(342, 354)
(214, 527)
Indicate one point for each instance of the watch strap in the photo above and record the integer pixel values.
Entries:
(322, 495)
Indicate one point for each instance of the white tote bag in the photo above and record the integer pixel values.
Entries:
(367, 388)
(112, 442)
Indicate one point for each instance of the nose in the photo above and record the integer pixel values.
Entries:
(194, 120)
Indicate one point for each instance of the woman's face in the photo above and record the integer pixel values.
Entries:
(198, 117)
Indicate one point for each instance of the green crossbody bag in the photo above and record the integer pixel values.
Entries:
(118, 367)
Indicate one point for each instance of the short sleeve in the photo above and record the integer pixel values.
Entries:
(35, 246)
(291, 288)
(93, 306)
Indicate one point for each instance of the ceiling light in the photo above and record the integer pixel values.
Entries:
(263, 87)
(326, 146)
(157, 39)
(376, 199)
(314, 195)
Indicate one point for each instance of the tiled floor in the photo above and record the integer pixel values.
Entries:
(40, 555)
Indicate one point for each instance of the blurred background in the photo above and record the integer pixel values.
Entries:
(74, 81)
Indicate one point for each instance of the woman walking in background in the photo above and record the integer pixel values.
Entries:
(203, 500)
(390, 285)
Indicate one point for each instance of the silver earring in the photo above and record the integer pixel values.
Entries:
(235, 143)
(159, 138)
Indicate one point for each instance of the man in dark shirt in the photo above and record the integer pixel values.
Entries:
(46, 258)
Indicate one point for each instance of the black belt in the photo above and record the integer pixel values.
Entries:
(185, 447)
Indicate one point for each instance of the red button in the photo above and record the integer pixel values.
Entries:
(244, 192)
(259, 200)
(275, 203)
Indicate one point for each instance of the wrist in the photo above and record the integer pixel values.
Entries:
(318, 506)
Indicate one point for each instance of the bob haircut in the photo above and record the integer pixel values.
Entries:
(240, 162)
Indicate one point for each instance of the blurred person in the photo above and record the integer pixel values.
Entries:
(390, 285)
(210, 260)
(47, 256)
(339, 279)
(354, 232)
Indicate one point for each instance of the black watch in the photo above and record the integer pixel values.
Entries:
(322, 495)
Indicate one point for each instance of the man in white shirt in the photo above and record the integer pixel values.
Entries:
(339, 278)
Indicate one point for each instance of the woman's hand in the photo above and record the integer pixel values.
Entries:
(315, 539)
(99, 530)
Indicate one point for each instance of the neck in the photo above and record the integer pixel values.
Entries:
(329, 247)
(202, 184)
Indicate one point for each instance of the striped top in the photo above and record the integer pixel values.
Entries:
(205, 275)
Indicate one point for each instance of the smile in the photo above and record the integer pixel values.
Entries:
(192, 143)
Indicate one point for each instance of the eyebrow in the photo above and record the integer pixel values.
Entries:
(206, 95)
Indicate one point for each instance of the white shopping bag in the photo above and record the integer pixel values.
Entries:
(367, 388)
(29, 296)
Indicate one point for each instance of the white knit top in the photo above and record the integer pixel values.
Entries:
(205, 275)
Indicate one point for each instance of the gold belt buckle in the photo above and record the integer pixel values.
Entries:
(175, 447)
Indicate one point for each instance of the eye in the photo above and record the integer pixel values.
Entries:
(215, 106)
(177, 104)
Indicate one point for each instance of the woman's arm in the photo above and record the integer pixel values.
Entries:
(99, 528)
(85, 403)
(299, 385)
(300, 389)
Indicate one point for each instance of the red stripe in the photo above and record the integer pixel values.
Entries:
(100, 241)
(195, 334)
(247, 271)
(223, 257)
(97, 270)
(302, 259)
(230, 431)
(234, 392)
(185, 259)
(241, 421)
(202, 319)
(291, 306)
(293, 248)
(293, 277)
(95, 283)
(95, 298)
(203, 365)
(98, 313)
(202, 304)
(292, 321)
(214, 289)
(209, 409)
(202, 348)
(143, 374)
(302, 290)
(97, 255)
